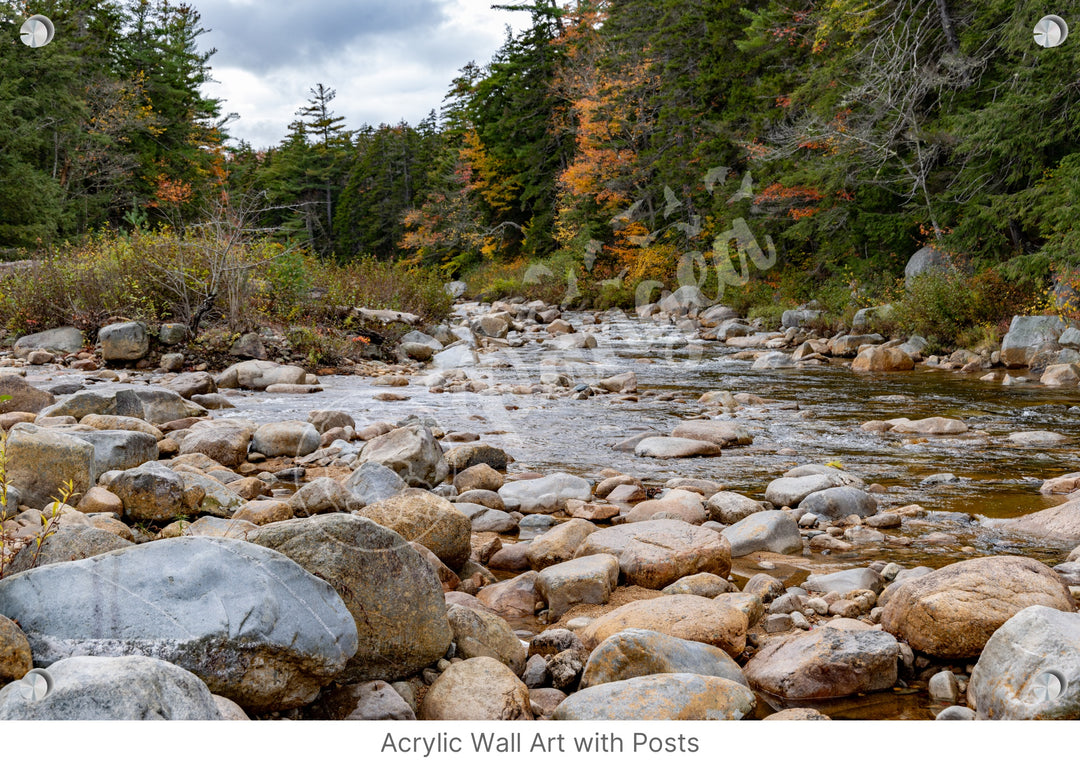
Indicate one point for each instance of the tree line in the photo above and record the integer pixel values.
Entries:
(629, 137)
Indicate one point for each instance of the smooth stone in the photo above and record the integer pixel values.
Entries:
(667, 696)
(682, 616)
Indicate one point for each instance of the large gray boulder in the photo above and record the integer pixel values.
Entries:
(545, 495)
(124, 341)
(1030, 668)
(391, 591)
(131, 688)
(373, 482)
(1028, 335)
(291, 438)
(838, 502)
(766, 531)
(259, 375)
(250, 622)
(412, 452)
(926, 260)
(40, 462)
(119, 450)
(57, 340)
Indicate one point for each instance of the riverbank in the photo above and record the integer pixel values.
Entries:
(549, 400)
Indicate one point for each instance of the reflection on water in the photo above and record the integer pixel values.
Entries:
(815, 412)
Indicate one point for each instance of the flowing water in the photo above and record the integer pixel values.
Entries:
(811, 415)
(815, 412)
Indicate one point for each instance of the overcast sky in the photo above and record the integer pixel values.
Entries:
(387, 61)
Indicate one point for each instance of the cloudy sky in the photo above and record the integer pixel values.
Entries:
(387, 61)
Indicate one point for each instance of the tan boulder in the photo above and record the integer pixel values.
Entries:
(951, 612)
(683, 616)
(478, 689)
(656, 553)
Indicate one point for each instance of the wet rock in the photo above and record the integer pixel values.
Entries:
(769, 531)
(1027, 336)
(765, 587)
(412, 452)
(656, 553)
(838, 502)
(667, 448)
(259, 375)
(119, 450)
(956, 713)
(433, 521)
(192, 383)
(328, 419)
(883, 359)
(718, 432)
(620, 383)
(495, 326)
(952, 612)
(1061, 375)
(944, 687)
(251, 623)
(478, 689)
(849, 346)
(685, 300)
(1020, 672)
(682, 616)
(635, 652)
(589, 579)
(825, 663)
(931, 426)
(40, 462)
(129, 688)
(775, 360)
(791, 490)
(478, 633)
(291, 438)
(1037, 439)
(669, 696)
(729, 507)
(545, 495)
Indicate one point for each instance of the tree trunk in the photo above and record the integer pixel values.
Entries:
(947, 26)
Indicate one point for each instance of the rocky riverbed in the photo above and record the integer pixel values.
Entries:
(542, 514)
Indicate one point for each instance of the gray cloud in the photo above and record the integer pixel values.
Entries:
(267, 36)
